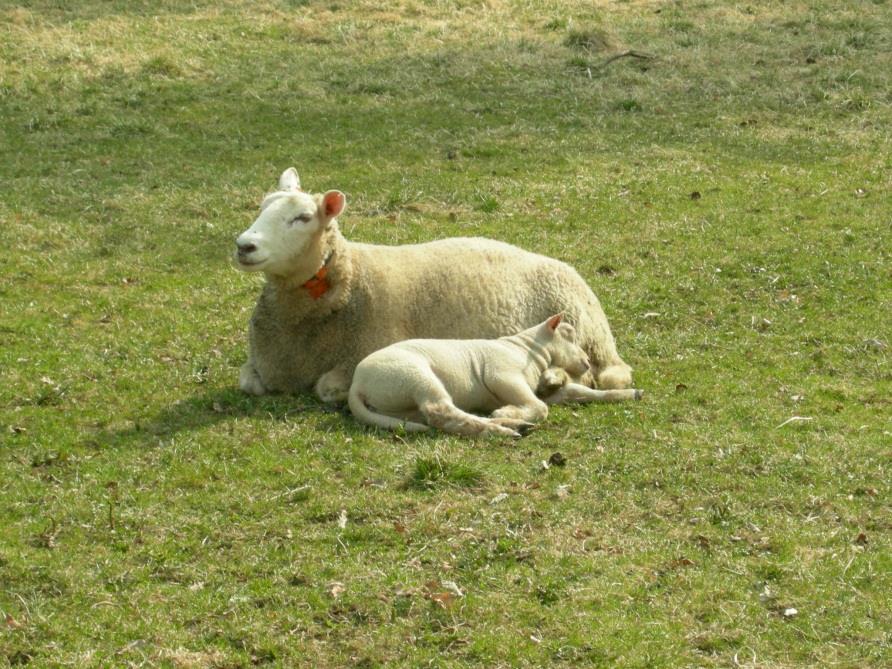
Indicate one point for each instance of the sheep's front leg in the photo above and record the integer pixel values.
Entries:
(577, 393)
(333, 386)
(249, 380)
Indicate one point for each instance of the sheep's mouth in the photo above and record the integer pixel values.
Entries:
(244, 262)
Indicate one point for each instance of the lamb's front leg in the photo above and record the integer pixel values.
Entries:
(577, 393)
(522, 408)
(333, 386)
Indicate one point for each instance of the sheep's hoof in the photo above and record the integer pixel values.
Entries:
(639, 394)
(333, 395)
(333, 387)
(249, 381)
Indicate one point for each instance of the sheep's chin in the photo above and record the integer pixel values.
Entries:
(250, 266)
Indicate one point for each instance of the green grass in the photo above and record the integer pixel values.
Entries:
(728, 200)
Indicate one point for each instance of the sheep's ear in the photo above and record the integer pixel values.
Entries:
(333, 203)
(289, 180)
(553, 322)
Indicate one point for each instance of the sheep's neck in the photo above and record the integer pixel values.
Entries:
(325, 278)
(318, 285)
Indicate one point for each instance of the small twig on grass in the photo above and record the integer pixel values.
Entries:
(794, 419)
(626, 54)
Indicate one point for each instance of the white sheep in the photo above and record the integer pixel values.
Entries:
(329, 302)
(421, 383)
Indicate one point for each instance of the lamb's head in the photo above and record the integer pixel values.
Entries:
(289, 222)
(559, 339)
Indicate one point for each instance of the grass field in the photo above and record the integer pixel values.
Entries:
(728, 198)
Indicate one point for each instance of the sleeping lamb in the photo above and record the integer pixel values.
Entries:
(421, 383)
(329, 302)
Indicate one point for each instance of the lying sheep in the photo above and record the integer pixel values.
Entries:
(329, 302)
(422, 383)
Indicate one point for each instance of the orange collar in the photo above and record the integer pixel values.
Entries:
(318, 285)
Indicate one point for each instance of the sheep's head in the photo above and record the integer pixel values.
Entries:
(290, 219)
(560, 340)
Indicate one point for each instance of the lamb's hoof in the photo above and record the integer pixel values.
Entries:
(496, 430)
(523, 428)
(518, 425)
(638, 394)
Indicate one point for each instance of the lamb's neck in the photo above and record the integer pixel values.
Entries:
(538, 355)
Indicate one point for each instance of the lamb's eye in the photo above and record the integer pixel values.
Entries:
(303, 218)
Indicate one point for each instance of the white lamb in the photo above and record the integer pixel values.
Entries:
(329, 302)
(422, 383)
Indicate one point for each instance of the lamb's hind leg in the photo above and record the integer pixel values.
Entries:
(444, 415)
(575, 392)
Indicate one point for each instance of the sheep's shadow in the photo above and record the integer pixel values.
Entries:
(204, 411)
(220, 405)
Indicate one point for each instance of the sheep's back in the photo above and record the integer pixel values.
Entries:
(465, 288)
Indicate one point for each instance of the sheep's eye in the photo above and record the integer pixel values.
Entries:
(303, 218)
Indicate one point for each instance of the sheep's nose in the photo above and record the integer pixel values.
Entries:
(245, 248)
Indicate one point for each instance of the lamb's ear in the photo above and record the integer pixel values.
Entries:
(333, 203)
(553, 322)
(289, 180)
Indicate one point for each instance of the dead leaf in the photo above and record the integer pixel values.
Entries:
(452, 587)
(12, 623)
(874, 344)
(563, 491)
(861, 539)
(336, 589)
(399, 527)
(444, 599)
(342, 519)
(794, 419)
(501, 497)
(787, 296)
